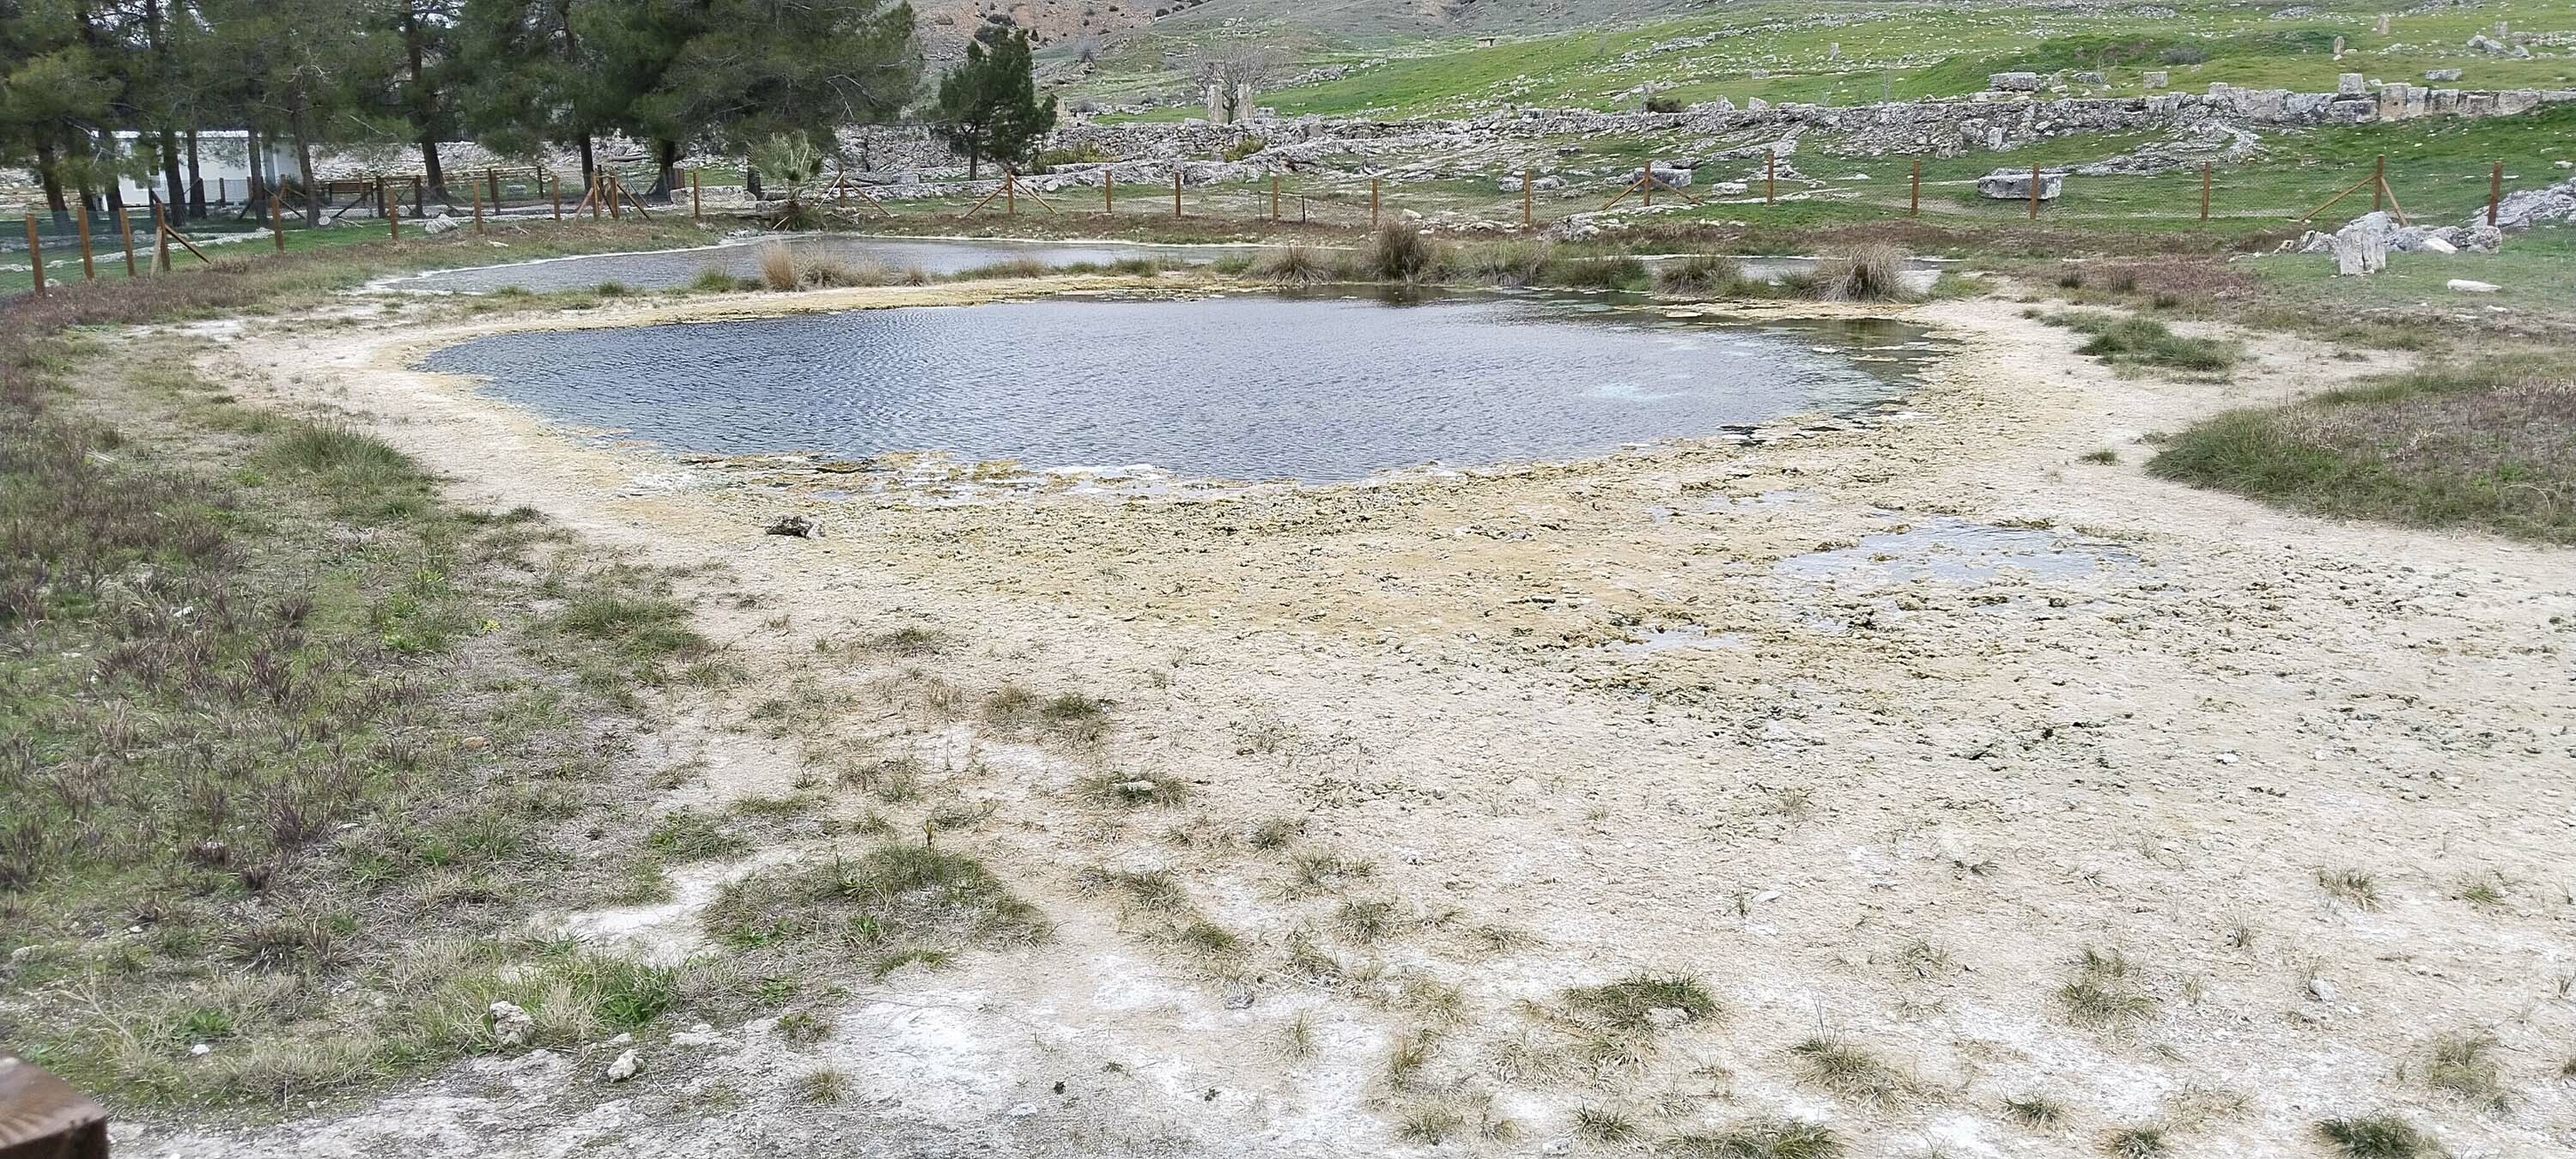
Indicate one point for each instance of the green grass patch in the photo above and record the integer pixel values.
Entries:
(2488, 445)
(2145, 342)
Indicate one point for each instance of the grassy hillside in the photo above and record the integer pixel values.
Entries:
(1837, 54)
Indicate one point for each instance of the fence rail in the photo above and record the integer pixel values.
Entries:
(104, 236)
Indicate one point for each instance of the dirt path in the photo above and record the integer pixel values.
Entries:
(1592, 719)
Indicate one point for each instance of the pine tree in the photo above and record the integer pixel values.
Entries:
(989, 107)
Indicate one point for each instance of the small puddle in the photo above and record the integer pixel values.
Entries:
(1326, 386)
(1959, 550)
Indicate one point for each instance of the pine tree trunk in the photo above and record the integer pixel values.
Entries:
(50, 173)
(258, 176)
(589, 165)
(175, 195)
(301, 126)
(196, 180)
(431, 170)
(666, 158)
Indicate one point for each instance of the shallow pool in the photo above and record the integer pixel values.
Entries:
(1255, 386)
(669, 269)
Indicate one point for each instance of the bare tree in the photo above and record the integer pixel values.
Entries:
(1231, 73)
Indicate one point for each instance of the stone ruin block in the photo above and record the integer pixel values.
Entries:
(2014, 185)
(2013, 82)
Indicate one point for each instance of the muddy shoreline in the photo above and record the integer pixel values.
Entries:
(2132, 753)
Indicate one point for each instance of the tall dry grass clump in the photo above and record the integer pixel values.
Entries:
(1871, 273)
(1294, 265)
(778, 267)
(1714, 274)
(1400, 253)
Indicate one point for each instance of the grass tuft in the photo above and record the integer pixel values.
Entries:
(1401, 253)
(2378, 1137)
(1840, 1068)
(1869, 273)
(1703, 275)
(1760, 1139)
(1629, 1004)
(2145, 342)
(2106, 992)
(2464, 1064)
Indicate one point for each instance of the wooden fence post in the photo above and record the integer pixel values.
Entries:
(1176, 191)
(1108, 192)
(1770, 177)
(1529, 212)
(1010, 192)
(616, 198)
(222, 197)
(554, 185)
(125, 227)
(419, 199)
(89, 269)
(1372, 203)
(478, 209)
(697, 198)
(160, 239)
(1914, 191)
(1274, 198)
(35, 252)
(276, 228)
(2034, 191)
(492, 178)
(598, 192)
(384, 202)
(2379, 184)
(2495, 190)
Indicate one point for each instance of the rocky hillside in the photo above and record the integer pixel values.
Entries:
(946, 24)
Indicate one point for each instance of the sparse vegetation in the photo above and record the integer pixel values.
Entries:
(1845, 1070)
(1704, 275)
(2480, 444)
(2141, 1142)
(1869, 273)
(2037, 1112)
(2107, 992)
(2378, 1137)
(2352, 887)
(1760, 1139)
(891, 898)
(1400, 253)
(2145, 342)
(1604, 1124)
(2464, 1064)
(1630, 1004)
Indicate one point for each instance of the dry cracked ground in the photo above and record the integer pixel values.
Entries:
(1912, 782)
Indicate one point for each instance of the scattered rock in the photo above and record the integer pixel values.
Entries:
(1239, 998)
(511, 1024)
(624, 1068)
(438, 225)
(1667, 1017)
(2467, 286)
(798, 526)
(1561, 1145)
(2442, 74)
(2014, 185)
(2321, 990)
(2013, 82)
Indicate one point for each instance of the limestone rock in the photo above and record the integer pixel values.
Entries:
(624, 1068)
(2013, 82)
(511, 1024)
(2014, 185)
